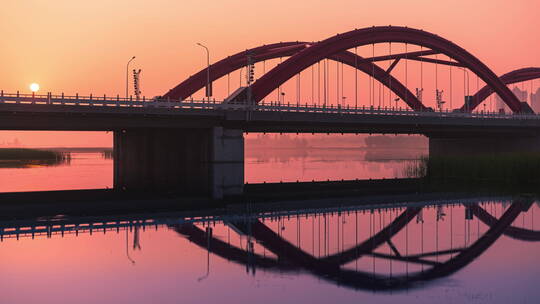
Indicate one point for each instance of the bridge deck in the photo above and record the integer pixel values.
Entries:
(48, 112)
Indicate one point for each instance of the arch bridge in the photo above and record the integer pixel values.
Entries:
(175, 142)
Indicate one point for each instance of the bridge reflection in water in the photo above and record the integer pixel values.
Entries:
(359, 247)
(379, 249)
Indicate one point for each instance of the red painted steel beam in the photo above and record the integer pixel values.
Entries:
(230, 64)
(437, 61)
(237, 61)
(392, 66)
(408, 55)
(339, 43)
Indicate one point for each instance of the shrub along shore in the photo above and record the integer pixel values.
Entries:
(505, 171)
(24, 154)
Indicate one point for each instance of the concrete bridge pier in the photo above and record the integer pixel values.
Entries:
(227, 162)
(200, 162)
(470, 145)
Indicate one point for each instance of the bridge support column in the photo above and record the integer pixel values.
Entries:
(482, 145)
(227, 162)
(200, 162)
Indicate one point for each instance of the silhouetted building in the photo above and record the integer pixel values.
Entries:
(535, 101)
(521, 95)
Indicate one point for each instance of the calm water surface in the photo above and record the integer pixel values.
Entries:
(93, 171)
(468, 251)
(474, 251)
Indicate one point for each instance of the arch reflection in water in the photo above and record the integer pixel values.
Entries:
(407, 247)
(397, 261)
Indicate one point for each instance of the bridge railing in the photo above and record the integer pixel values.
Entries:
(117, 101)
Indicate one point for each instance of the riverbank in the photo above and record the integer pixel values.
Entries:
(512, 171)
(25, 157)
(7, 154)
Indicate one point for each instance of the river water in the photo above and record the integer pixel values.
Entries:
(95, 171)
(472, 250)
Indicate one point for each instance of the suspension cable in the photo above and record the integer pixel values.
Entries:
(390, 77)
(437, 98)
(380, 89)
(337, 83)
(356, 79)
(451, 107)
(464, 84)
(478, 86)
(318, 83)
(279, 87)
(371, 83)
(298, 89)
(436, 74)
(228, 84)
(264, 72)
(421, 70)
(324, 81)
(312, 83)
(342, 85)
(406, 73)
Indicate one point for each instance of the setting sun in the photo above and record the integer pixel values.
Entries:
(34, 87)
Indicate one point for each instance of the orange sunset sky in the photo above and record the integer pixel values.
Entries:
(83, 46)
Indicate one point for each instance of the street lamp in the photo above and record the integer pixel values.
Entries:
(208, 90)
(127, 75)
(468, 98)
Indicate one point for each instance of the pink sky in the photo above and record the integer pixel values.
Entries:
(75, 46)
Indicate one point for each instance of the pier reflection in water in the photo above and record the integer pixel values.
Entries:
(473, 250)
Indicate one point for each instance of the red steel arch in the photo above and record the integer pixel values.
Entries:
(366, 36)
(508, 78)
(284, 49)
(230, 64)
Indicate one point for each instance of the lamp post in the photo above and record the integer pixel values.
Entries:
(468, 100)
(127, 75)
(208, 90)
